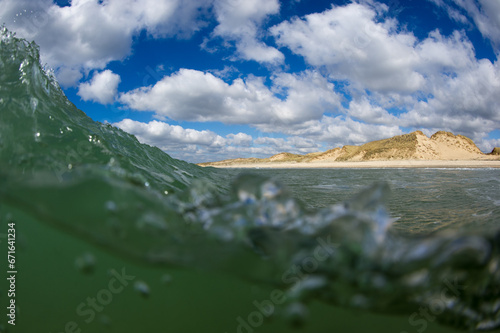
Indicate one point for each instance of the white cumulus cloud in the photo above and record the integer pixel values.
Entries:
(203, 146)
(240, 22)
(88, 34)
(102, 88)
(485, 15)
(352, 45)
(435, 82)
(168, 136)
(198, 96)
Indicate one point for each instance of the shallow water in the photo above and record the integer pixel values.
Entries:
(423, 200)
(116, 236)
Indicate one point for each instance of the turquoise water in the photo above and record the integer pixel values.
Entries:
(116, 236)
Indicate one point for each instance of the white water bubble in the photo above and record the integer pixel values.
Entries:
(166, 279)
(34, 102)
(105, 320)
(85, 263)
(296, 314)
(246, 196)
(359, 301)
(110, 206)
(112, 162)
(270, 190)
(223, 234)
(151, 221)
(142, 288)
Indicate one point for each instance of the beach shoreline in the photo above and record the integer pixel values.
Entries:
(439, 164)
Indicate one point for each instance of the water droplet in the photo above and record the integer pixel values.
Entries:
(110, 206)
(359, 301)
(152, 221)
(296, 314)
(166, 192)
(142, 288)
(105, 320)
(246, 196)
(416, 278)
(223, 234)
(85, 263)
(34, 101)
(270, 190)
(115, 225)
(166, 279)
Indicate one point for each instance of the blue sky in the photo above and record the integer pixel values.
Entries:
(207, 80)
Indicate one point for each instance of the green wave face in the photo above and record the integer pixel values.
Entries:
(96, 189)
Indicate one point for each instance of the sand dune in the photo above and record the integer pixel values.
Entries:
(442, 149)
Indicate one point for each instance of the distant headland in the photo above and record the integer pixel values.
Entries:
(442, 149)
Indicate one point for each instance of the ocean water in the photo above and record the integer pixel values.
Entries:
(115, 236)
(424, 200)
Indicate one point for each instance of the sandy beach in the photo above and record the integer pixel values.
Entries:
(371, 164)
(413, 150)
